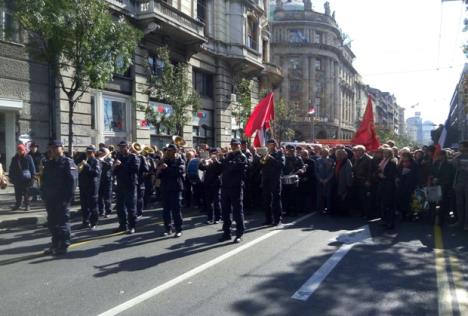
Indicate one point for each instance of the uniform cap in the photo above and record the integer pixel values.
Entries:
(289, 146)
(235, 141)
(123, 143)
(271, 141)
(91, 149)
(171, 146)
(56, 143)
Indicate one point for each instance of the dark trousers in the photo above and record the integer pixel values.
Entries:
(172, 210)
(323, 196)
(232, 202)
(105, 198)
(272, 203)
(213, 202)
(363, 199)
(126, 207)
(140, 199)
(58, 222)
(386, 203)
(89, 205)
(290, 198)
(149, 190)
(306, 196)
(22, 190)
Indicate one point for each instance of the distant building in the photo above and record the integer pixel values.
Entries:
(317, 65)
(387, 113)
(458, 115)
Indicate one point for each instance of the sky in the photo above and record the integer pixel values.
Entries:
(410, 48)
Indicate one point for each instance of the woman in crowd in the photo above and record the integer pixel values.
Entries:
(386, 175)
(407, 180)
(342, 182)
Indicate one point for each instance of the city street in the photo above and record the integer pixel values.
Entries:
(316, 265)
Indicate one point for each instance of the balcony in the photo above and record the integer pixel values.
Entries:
(168, 21)
(271, 75)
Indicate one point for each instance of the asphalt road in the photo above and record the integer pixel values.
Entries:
(396, 273)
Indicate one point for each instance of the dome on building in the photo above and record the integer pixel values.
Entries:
(294, 5)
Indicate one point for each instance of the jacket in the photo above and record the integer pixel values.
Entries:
(17, 166)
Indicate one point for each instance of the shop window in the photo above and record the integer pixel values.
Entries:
(115, 119)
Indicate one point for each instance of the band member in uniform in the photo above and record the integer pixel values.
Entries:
(105, 187)
(58, 187)
(142, 173)
(38, 164)
(294, 166)
(234, 166)
(272, 166)
(126, 167)
(90, 175)
(171, 171)
(212, 186)
(307, 185)
(248, 192)
(149, 177)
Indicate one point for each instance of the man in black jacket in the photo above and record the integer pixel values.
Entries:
(272, 167)
(21, 173)
(105, 186)
(38, 161)
(90, 174)
(362, 176)
(294, 166)
(212, 186)
(58, 187)
(171, 171)
(234, 166)
(126, 167)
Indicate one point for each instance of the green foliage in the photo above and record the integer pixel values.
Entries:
(243, 108)
(284, 117)
(80, 39)
(174, 87)
(386, 134)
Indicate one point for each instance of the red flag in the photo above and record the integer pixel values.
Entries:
(366, 135)
(261, 116)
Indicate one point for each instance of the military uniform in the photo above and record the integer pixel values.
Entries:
(271, 187)
(290, 191)
(142, 173)
(58, 187)
(90, 177)
(105, 186)
(212, 190)
(234, 167)
(172, 185)
(127, 180)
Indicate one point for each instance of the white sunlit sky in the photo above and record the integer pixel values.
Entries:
(410, 48)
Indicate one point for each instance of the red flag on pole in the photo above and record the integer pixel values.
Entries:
(366, 135)
(261, 116)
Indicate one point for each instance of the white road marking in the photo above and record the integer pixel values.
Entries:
(350, 239)
(161, 288)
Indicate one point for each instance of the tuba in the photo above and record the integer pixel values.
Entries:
(178, 141)
(136, 148)
(148, 150)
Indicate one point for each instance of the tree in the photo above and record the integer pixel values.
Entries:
(172, 86)
(284, 117)
(243, 108)
(386, 134)
(82, 42)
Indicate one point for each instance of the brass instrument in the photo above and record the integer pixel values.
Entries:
(81, 165)
(264, 155)
(136, 148)
(147, 150)
(178, 141)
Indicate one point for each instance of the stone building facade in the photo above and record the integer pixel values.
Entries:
(318, 69)
(387, 113)
(458, 115)
(223, 41)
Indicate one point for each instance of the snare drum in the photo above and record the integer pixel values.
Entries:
(290, 179)
(194, 174)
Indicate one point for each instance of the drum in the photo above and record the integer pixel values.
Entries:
(290, 179)
(194, 174)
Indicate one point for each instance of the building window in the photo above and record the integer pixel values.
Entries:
(295, 68)
(156, 66)
(202, 130)
(297, 36)
(203, 83)
(116, 119)
(120, 69)
(295, 90)
(252, 30)
(9, 29)
(93, 112)
(201, 10)
(318, 64)
(318, 37)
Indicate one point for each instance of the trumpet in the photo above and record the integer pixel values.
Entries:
(81, 165)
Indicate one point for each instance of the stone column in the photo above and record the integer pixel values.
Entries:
(10, 137)
(305, 88)
(222, 111)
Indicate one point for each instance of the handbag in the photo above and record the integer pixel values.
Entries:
(25, 173)
(433, 193)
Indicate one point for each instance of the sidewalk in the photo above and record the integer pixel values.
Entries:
(36, 216)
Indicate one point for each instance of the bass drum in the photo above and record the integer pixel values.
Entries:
(194, 174)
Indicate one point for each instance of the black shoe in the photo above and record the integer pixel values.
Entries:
(225, 238)
(237, 240)
(50, 251)
(119, 229)
(266, 223)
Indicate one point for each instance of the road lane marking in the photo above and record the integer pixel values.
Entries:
(350, 239)
(167, 285)
(461, 293)
(443, 284)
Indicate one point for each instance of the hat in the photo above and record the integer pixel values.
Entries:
(171, 146)
(56, 143)
(123, 143)
(91, 149)
(21, 147)
(243, 142)
(299, 148)
(271, 141)
(33, 144)
(235, 141)
(213, 150)
(289, 146)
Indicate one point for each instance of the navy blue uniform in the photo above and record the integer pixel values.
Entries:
(272, 170)
(234, 167)
(58, 187)
(105, 187)
(212, 190)
(142, 173)
(149, 182)
(90, 177)
(290, 191)
(307, 187)
(127, 181)
(172, 185)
